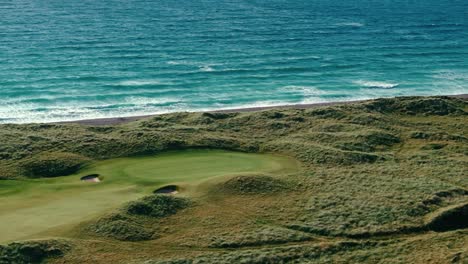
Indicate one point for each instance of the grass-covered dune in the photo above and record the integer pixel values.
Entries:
(381, 181)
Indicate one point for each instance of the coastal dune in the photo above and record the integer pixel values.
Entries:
(120, 120)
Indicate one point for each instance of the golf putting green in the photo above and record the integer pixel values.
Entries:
(39, 208)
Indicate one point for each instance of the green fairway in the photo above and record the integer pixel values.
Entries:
(42, 207)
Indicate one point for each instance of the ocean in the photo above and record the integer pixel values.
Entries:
(68, 60)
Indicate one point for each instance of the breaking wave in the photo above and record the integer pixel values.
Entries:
(376, 84)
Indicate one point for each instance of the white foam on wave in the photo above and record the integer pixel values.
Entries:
(451, 75)
(312, 57)
(180, 62)
(376, 84)
(451, 82)
(253, 105)
(143, 101)
(350, 24)
(130, 106)
(206, 68)
(22, 113)
(25, 114)
(304, 90)
(174, 63)
(201, 66)
(139, 82)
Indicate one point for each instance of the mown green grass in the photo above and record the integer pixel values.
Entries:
(37, 208)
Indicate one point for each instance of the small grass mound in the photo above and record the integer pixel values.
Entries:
(219, 115)
(433, 106)
(53, 164)
(253, 185)
(157, 206)
(438, 197)
(377, 138)
(367, 142)
(326, 113)
(121, 228)
(127, 226)
(274, 114)
(32, 251)
(433, 146)
(413, 106)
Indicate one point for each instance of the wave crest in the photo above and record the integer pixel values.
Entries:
(304, 90)
(376, 84)
(351, 24)
(139, 82)
(206, 68)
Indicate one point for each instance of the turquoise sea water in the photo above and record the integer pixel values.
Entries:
(68, 59)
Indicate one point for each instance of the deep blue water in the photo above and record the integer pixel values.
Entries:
(68, 59)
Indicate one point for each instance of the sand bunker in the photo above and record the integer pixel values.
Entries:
(91, 178)
(169, 189)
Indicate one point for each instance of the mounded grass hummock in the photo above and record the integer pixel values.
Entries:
(129, 223)
(53, 164)
(252, 184)
(120, 227)
(32, 251)
(156, 206)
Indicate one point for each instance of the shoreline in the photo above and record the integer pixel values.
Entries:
(122, 120)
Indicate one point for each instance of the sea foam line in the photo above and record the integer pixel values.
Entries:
(304, 90)
(139, 82)
(350, 24)
(376, 84)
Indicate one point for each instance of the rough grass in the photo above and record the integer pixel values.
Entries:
(156, 205)
(53, 164)
(423, 106)
(264, 235)
(128, 225)
(377, 179)
(122, 228)
(288, 254)
(32, 251)
(252, 184)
